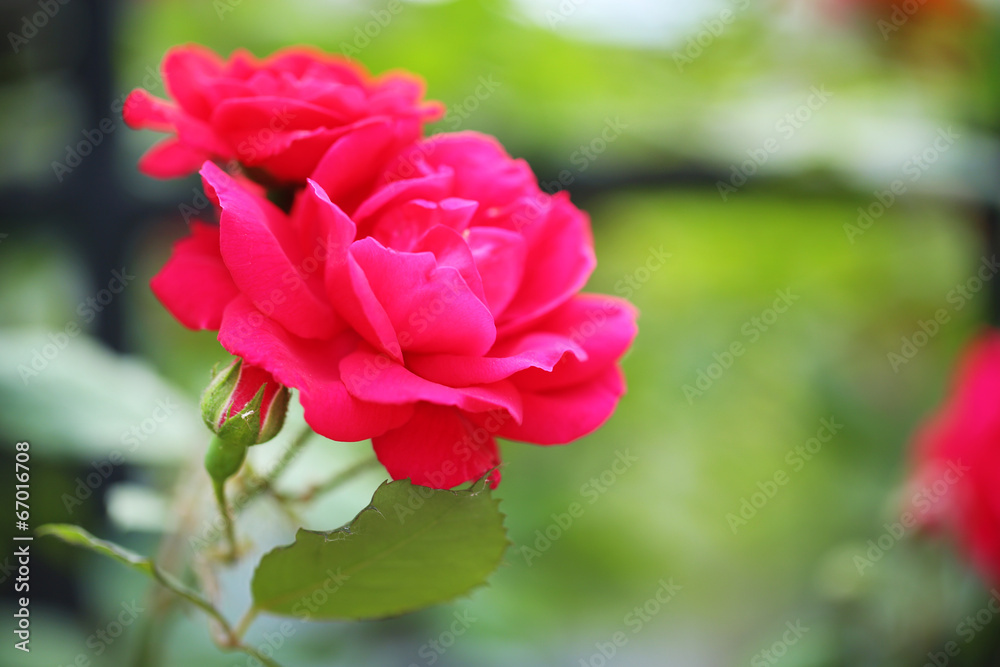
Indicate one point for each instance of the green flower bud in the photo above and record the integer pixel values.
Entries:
(244, 405)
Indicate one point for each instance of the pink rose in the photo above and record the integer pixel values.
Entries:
(430, 310)
(956, 480)
(276, 116)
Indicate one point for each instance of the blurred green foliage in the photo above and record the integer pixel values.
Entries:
(665, 517)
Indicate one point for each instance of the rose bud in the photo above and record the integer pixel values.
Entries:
(244, 405)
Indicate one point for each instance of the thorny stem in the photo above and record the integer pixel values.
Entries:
(333, 483)
(230, 639)
(264, 484)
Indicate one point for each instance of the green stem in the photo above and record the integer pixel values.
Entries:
(192, 596)
(265, 483)
(244, 623)
(219, 486)
(293, 450)
(336, 481)
(233, 637)
(264, 660)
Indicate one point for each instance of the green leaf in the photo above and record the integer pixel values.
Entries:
(79, 537)
(411, 548)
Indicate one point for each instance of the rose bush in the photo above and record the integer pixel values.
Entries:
(957, 458)
(276, 116)
(429, 300)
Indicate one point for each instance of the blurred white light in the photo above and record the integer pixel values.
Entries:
(645, 23)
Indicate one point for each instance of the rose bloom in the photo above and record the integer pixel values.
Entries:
(956, 480)
(429, 304)
(276, 116)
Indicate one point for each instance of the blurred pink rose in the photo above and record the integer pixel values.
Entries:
(956, 479)
(278, 116)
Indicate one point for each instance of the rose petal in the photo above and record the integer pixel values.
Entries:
(188, 73)
(500, 257)
(171, 158)
(439, 447)
(352, 294)
(348, 170)
(562, 415)
(265, 260)
(436, 311)
(603, 326)
(195, 285)
(401, 226)
(377, 378)
(142, 111)
(451, 250)
(559, 261)
(293, 156)
(530, 350)
(312, 367)
(322, 225)
(285, 135)
(431, 187)
(484, 172)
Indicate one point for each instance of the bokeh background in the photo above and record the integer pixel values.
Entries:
(807, 111)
